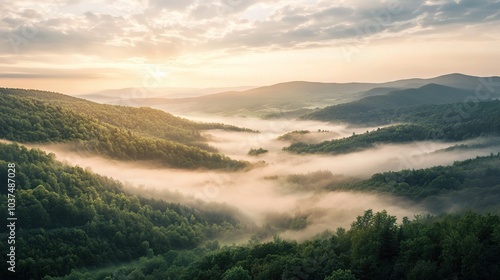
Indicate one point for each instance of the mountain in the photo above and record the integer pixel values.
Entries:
(116, 96)
(363, 111)
(456, 80)
(124, 133)
(74, 224)
(262, 100)
(290, 96)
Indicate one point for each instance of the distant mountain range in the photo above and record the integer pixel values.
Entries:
(115, 96)
(299, 95)
(365, 109)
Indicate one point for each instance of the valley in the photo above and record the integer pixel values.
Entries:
(145, 188)
(249, 140)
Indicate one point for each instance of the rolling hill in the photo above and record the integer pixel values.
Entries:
(145, 121)
(263, 100)
(446, 122)
(290, 96)
(366, 110)
(92, 229)
(117, 132)
(116, 96)
(71, 218)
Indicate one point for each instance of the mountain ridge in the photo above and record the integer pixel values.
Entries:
(297, 95)
(366, 108)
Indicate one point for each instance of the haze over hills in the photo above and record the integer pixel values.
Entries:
(116, 96)
(92, 227)
(432, 112)
(250, 140)
(290, 96)
(88, 227)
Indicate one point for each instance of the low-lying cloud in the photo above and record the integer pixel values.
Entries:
(261, 195)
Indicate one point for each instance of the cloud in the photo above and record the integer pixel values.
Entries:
(43, 76)
(295, 25)
(169, 4)
(288, 26)
(156, 30)
(460, 12)
(33, 73)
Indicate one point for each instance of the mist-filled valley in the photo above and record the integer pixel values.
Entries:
(283, 186)
(369, 188)
(249, 140)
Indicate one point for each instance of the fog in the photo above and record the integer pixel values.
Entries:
(261, 196)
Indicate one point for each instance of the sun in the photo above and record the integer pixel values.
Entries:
(159, 74)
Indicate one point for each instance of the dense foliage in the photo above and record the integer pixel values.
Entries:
(469, 184)
(75, 219)
(144, 121)
(395, 106)
(26, 120)
(465, 246)
(71, 218)
(256, 152)
(294, 135)
(394, 134)
(427, 122)
(79, 225)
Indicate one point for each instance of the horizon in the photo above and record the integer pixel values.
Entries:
(82, 47)
(239, 88)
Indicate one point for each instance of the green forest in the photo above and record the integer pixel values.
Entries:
(28, 120)
(420, 123)
(79, 225)
(469, 184)
(465, 246)
(72, 218)
(256, 152)
(415, 104)
(76, 224)
(144, 120)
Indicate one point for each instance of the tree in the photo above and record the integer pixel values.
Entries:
(341, 274)
(236, 273)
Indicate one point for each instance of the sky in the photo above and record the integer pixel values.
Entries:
(79, 46)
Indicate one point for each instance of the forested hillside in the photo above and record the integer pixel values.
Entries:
(469, 184)
(464, 246)
(146, 121)
(381, 109)
(29, 120)
(74, 219)
(70, 218)
(75, 224)
(424, 122)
